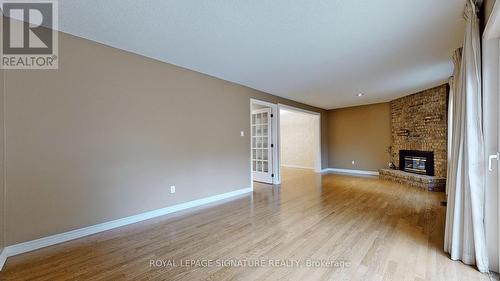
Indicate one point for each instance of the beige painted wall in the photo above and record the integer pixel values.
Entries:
(361, 134)
(298, 139)
(106, 135)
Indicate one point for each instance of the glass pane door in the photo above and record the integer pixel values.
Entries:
(261, 145)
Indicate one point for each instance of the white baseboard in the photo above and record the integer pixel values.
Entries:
(297, 167)
(29, 246)
(349, 171)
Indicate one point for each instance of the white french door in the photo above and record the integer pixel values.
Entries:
(262, 160)
(491, 104)
(497, 268)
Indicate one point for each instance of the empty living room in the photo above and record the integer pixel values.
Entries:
(249, 140)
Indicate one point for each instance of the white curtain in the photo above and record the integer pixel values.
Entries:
(464, 234)
(457, 57)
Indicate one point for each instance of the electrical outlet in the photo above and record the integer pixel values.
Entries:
(353, 162)
(242, 133)
(172, 189)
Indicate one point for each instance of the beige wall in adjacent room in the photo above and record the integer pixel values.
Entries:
(298, 139)
(106, 135)
(361, 134)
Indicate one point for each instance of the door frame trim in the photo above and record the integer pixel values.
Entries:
(274, 137)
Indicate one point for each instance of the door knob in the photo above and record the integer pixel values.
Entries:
(490, 160)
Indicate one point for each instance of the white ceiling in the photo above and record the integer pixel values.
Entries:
(318, 52)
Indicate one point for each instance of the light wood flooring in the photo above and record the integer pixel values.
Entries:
(378, 229)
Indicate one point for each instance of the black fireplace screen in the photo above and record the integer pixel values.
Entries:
(418, 162)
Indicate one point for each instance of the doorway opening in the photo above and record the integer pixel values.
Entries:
(282, 136)
(300, 140)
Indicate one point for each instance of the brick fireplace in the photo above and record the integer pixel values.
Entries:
(419, 125)
(420, 122)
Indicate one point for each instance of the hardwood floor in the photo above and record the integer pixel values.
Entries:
(366, 228)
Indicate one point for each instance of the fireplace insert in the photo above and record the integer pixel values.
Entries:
(416, 161)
